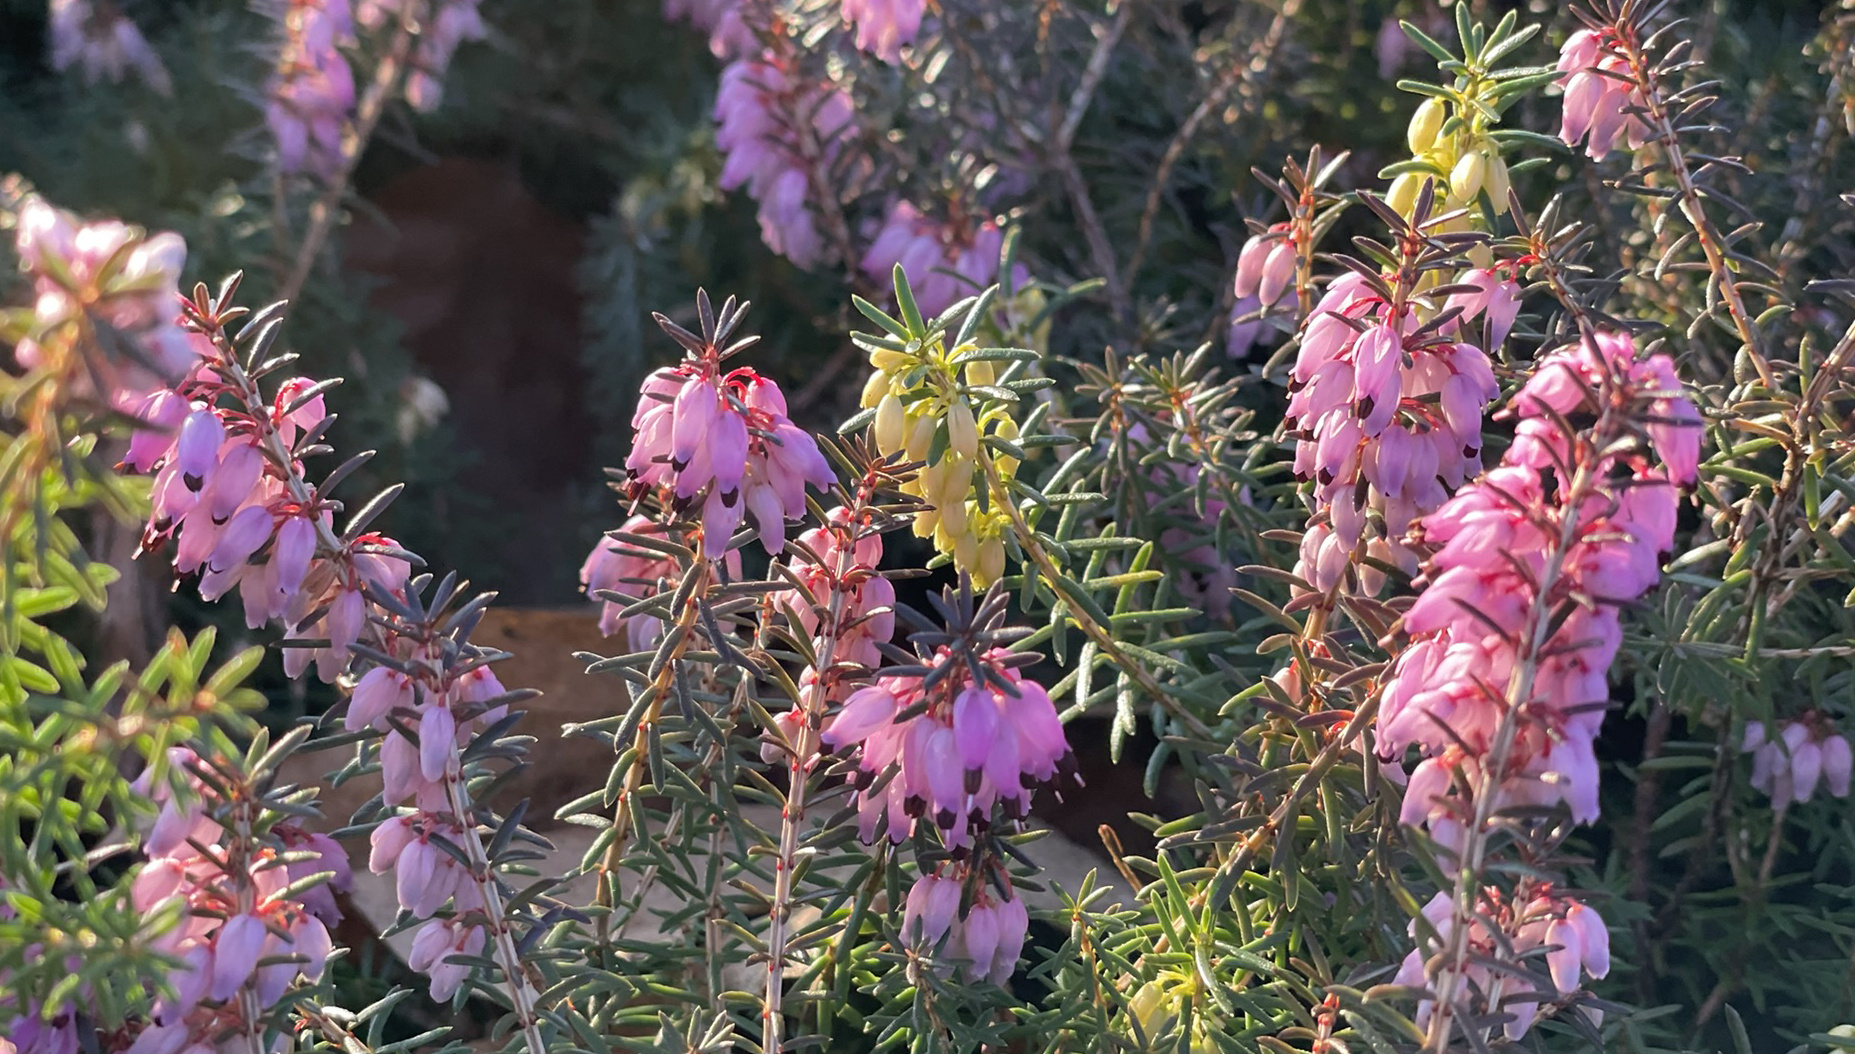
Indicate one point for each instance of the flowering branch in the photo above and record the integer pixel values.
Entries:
(385, 87)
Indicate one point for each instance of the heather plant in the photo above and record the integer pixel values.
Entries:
(1467, 579)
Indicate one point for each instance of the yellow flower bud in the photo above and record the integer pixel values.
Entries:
(920, 437)
(1466, 179)
(953, 519)
(1402, 197)
(891, 424)
(1005, 428)
(962, 431)
(1498, 184)
(991, 563)
(889, 361)
(1425, 124)
(925, 522)
(955, 484)
(874, 388)
(982, 372)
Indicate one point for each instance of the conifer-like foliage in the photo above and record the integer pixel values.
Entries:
(1413, 442)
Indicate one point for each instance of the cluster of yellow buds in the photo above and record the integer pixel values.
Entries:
(1457, 150)
(925, 409)
(1156, 1004)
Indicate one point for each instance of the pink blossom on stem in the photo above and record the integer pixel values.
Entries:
(868, 616)
(312, 91)
(1602, 103)
(432, 947)
(1387, 417)
(104, 43)
(1574, 939)
(729, 35)
(1587, 517)
(115, 273)
(1788, 767)
(724, 445)
(615, 567)
(238, 929)
(944, 262)
(973, 746)
(759, 110)
(445, 24)
(983, 942)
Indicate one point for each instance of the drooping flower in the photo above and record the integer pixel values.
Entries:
(1493, 541)
(1788, 767)
(760, 110)
(729, 35)
(867, 618)
(312, 91)
(723, 444)
(123, 277)
(104, 43)
(972, 745)
(444, 25)
(1505, 928)
(240, 928)
(1602, 103)
(944, 262)
(983, 942)
(1387, 415)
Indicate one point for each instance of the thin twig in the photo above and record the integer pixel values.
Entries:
(1261, 54)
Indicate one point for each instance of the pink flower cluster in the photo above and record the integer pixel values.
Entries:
(1473, 622)
(944, 262)
(966, 746)
(446, 706)
(1265, 278)
(885, 26)
(724, 444)
(105, 43)
(238, 930)
(221, 489)
(1602, 103)
(80, 269)
(615, 567)
(759, 110)
(984, 942)
(240, 520)
(312, 91)
(1387, 414)
(1573, 936)
(1788, 766)
(868, 616)
(444, 26)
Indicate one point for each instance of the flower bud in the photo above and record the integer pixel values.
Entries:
(1498, 184)
(891, 422)
(874, 389)
(1466, 179)
(962, 430)
(1426, 123)
(920, 438)
(991, 563)
(1402, 197)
